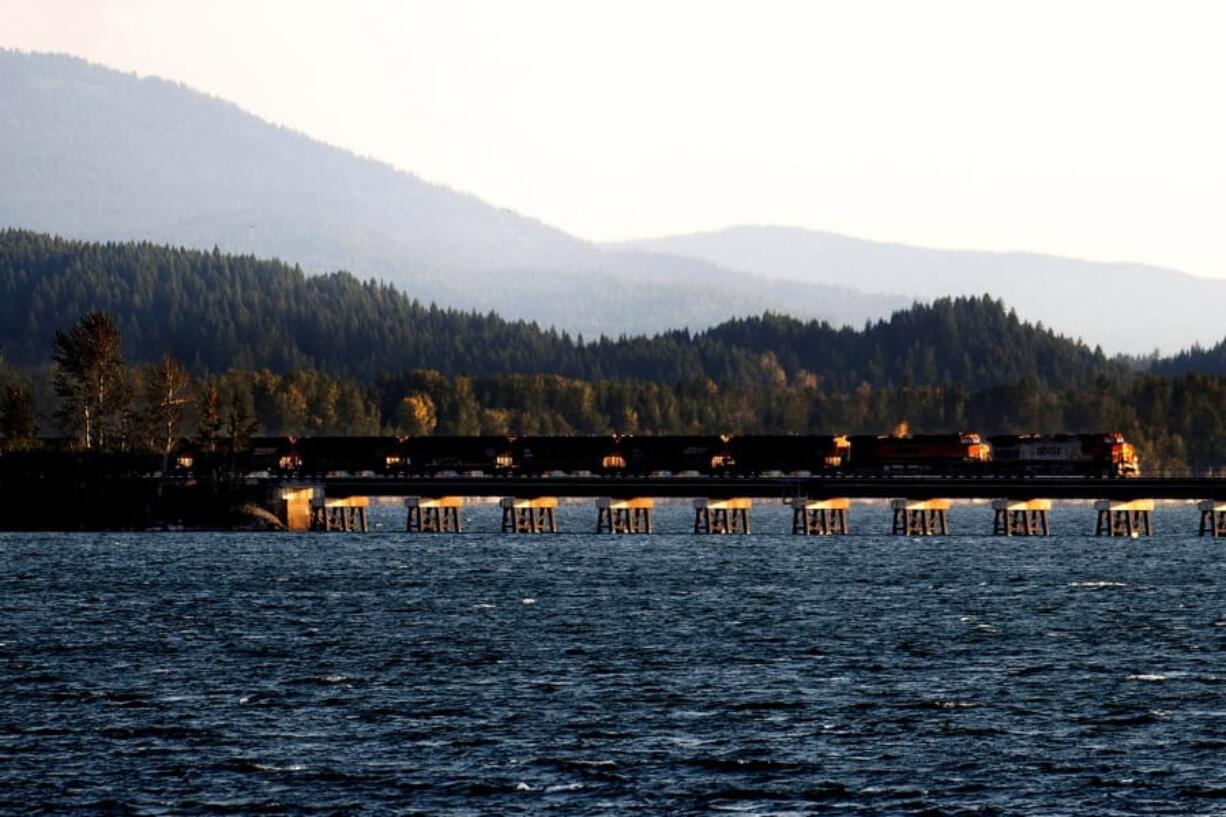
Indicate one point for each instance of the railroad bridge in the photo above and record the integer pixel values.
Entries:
(326, 483)
(920, 504)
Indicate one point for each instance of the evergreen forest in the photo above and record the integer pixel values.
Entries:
(201, 343)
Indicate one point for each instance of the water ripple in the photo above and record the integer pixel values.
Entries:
(191, 674)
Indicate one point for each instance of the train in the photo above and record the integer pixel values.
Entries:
(1106, 454)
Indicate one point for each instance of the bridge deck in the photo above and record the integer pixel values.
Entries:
(856, 487)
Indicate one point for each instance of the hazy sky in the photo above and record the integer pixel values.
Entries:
(1095, 129)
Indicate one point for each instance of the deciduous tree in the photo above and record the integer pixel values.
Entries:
(91, 379)
(167, 399)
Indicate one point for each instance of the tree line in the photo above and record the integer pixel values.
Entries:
(93, 396)
(156, 342)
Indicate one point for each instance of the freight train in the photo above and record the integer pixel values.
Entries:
(963, 454)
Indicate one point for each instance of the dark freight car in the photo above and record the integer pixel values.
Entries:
(568, 455)
(683, 454)
(352, 455)
(789, 454)
(274, 455)
(487, 455)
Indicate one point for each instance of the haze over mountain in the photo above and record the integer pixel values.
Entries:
(1129, 308)
(88, 152)
(92, 153)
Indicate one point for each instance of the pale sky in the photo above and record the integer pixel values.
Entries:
(1094, 129)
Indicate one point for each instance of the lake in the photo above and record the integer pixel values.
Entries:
(229, 673)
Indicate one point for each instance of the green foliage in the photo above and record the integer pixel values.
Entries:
(1177, 423)
(18, 419)
(216, 312)
(1197, 359)
(270, 351)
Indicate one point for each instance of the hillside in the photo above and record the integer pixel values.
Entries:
(216, 311)
(1125, 308)
(1196, 360)
(96, 154)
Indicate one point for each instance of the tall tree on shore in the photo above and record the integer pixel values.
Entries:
(209, 417)
(18, 419)
(91, 379)
(241, 422)
(167, 387)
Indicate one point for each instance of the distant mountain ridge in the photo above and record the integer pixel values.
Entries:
(88, 152)
(91, 153)
(1129, 308)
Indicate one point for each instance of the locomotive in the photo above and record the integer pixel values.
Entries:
(1108, 455)
(961, 454)
(922, 452)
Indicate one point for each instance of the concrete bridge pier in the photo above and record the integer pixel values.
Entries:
(624, 515)
(1213, 518)
(722, 515)
(1130, 518)
(294, 506)
(536, 515)
(1013, 517)
(921, 517)
(434, 514)
(819, 517)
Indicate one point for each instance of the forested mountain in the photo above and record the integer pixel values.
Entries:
(92, 153)
(1125, 308)
(972, 341)
(1198, 359)
(277, 352)
(214, 312)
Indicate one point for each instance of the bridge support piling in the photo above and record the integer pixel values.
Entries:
(347, 515)
(295, 507)
(536, 515)
(1013, 517)
(433, 514)
(1131, 518)
(1213, 518)
(722, 516)
(819, 517)
(624, 515)
(921, 517)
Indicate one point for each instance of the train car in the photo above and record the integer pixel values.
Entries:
(272, 455)
(352, 455)
(1105, 454)
(575, 455)
(488, 455)
(707, 455)
(920, 452)
(787, 454)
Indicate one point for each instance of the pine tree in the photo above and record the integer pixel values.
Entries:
(241, 422)
(18, 419)
(209, 415)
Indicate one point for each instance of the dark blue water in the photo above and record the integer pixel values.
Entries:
(479, 674)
